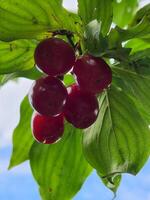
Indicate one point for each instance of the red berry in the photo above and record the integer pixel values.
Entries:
(92, 73)
(54, 56)
(48, 96)
(81, 107)
(47, 129)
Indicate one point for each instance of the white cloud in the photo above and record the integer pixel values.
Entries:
(70, 5)
(143, 2)
(11, 96)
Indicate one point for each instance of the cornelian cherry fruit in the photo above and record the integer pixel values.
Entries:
(81, 107)
(47, 129)
(54, 56)
(48, 96)
(92, 73)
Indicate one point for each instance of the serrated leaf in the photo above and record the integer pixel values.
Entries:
(60, 169)
(16, 56)
(101, 10)
(34, 19)
(22, 136)
(124, 8)
(120, 139)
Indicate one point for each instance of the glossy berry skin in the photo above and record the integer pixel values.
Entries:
(48, 96)
(81, 108)
(92, 73)
(47, 129)
(54, 56)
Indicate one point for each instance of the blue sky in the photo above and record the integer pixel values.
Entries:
(19, 184)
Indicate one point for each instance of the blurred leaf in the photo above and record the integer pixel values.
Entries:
(123, 11)
(101, 10)
(16, 56)
(22, 136)
(1, 79)
(120, 139)
(60, 169)
(68, 79)
(34, 19)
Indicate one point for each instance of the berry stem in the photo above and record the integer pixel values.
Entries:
(78, 48)
(69, 37)
(62, 32)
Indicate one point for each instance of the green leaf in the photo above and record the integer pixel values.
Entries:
(141, 31)
(97, 45)
(118, 53)
(123, 11)
(32, 74)
(111, 182)
(94, 42)
(141, 13)
(60, 169)
(44, 193)
(139, 28)
(1, 79)
(140, 55)
(101, 10)
(68, 79)
(16, 60)
(34, 19)
(135, 80)
(16, 56)
(22, 136)
(137, 45)
(119, 141)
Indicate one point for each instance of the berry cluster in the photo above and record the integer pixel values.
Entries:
(53, 102)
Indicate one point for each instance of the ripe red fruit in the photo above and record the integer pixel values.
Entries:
(92, 73)
(54, 56)
(47, 129)
(48, 96)
(81, 108)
